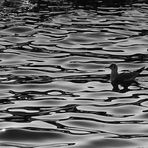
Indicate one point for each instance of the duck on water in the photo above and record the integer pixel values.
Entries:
(123, 79)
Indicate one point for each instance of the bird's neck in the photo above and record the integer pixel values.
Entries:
(114, 74)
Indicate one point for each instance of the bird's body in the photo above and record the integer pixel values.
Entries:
(123, 79)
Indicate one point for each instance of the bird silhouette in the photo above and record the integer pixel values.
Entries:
(123, 79)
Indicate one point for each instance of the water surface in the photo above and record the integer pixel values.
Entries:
(55, 89)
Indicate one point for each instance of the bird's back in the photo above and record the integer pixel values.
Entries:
(125, 79)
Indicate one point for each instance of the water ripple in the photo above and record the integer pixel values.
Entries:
(55, 87)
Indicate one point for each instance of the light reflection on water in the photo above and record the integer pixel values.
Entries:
(55, 89)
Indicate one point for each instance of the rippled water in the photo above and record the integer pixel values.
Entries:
(55, 89)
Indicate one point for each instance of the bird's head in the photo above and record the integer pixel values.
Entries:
(113, 67)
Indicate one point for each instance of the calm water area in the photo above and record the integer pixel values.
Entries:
(55, 90)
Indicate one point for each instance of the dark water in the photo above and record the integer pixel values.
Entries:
(54, 87)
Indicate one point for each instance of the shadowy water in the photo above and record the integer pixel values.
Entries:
(54, 87)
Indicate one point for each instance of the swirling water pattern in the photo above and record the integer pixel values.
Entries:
(55, 89)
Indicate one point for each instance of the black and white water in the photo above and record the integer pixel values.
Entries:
(54, 87)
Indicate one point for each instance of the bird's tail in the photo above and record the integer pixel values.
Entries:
(140, 70)
(137, 72)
